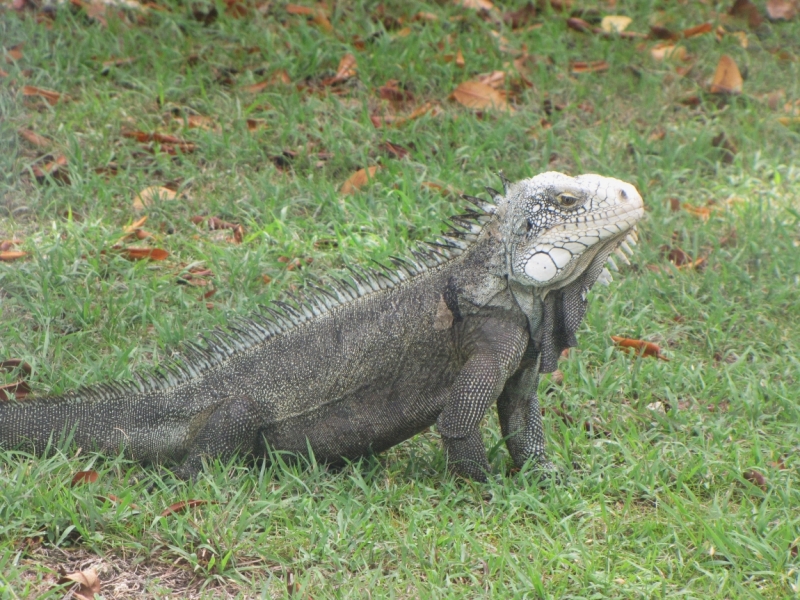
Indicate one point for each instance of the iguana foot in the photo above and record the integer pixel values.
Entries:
(466, 457)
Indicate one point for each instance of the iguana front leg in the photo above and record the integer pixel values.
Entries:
(521, 416)
(495, 357)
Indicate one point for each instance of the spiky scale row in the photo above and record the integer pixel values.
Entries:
(280, 317)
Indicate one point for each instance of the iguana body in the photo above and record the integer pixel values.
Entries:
(360, 367)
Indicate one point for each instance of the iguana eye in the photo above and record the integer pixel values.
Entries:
(567, 200)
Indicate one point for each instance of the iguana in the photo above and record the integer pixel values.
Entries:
(369, 360)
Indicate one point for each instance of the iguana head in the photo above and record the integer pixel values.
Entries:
(555, 226)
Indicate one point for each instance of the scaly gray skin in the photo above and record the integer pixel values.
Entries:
(361, 365)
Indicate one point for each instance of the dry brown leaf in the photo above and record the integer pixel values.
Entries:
(520, 18)
(150, 194)
(183, 505)
(49, 95)
(460, 62)
(615, 23)
(358, 179)
(82, 477)
(640, 346)
(296, 9)
(495, 79)
(698, 211)
(697, 30)
(476, 4)
(727, 78)
(756, 478)
(347, 69)
(278, 77)
(55, 168)
(747, 10)
(144, 253)
(199, 122)
(578, 24)
(82, 584)
(34, 138)
(668, 51)
(9, 255)
(394, 150)
(782, 9)
(14, 53)
(592, 66)
(477, 95)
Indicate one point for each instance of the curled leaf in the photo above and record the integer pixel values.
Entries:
(358, 179)
(144, 253)
(727, 78)
(82, 477)
(642, 347)
(82, 584)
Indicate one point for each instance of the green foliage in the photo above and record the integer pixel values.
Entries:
(658, 504)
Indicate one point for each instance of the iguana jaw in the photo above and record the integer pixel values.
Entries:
(576, 220)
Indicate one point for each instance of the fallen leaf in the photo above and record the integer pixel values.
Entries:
(169, 143)
(698, 211)
(697, 30)
(578, 24)
(742, 37)
(662, 33)
(279, 77)
(642, 347)
(520, 18)
(756, 478)
(316, 15)
(9, 255)
(358, 179)
(476, 4)
(215, 223)
(781, 9)
(150, 194)
(11, 364)
(615, 23)
(395, 150)
(592, 66)
(56, 169)
(34, 138)
(726, 146)
(746, 10)
(668, 51)
(184, 505)
(14, 53)
(82, 584)
(394, 92)
(296, 9)
(727, 78)
(82, 477)
(425, 16)
(200, 122)
(144, 253)
(16, 390)
(495, 79)
(477, 95)
(116, 62)
(347, 67)
(49, 95)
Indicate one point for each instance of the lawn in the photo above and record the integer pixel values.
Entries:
(168, 166)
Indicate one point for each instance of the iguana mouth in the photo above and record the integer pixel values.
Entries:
(562, 252)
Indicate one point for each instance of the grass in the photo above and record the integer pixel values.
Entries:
(663, 502)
